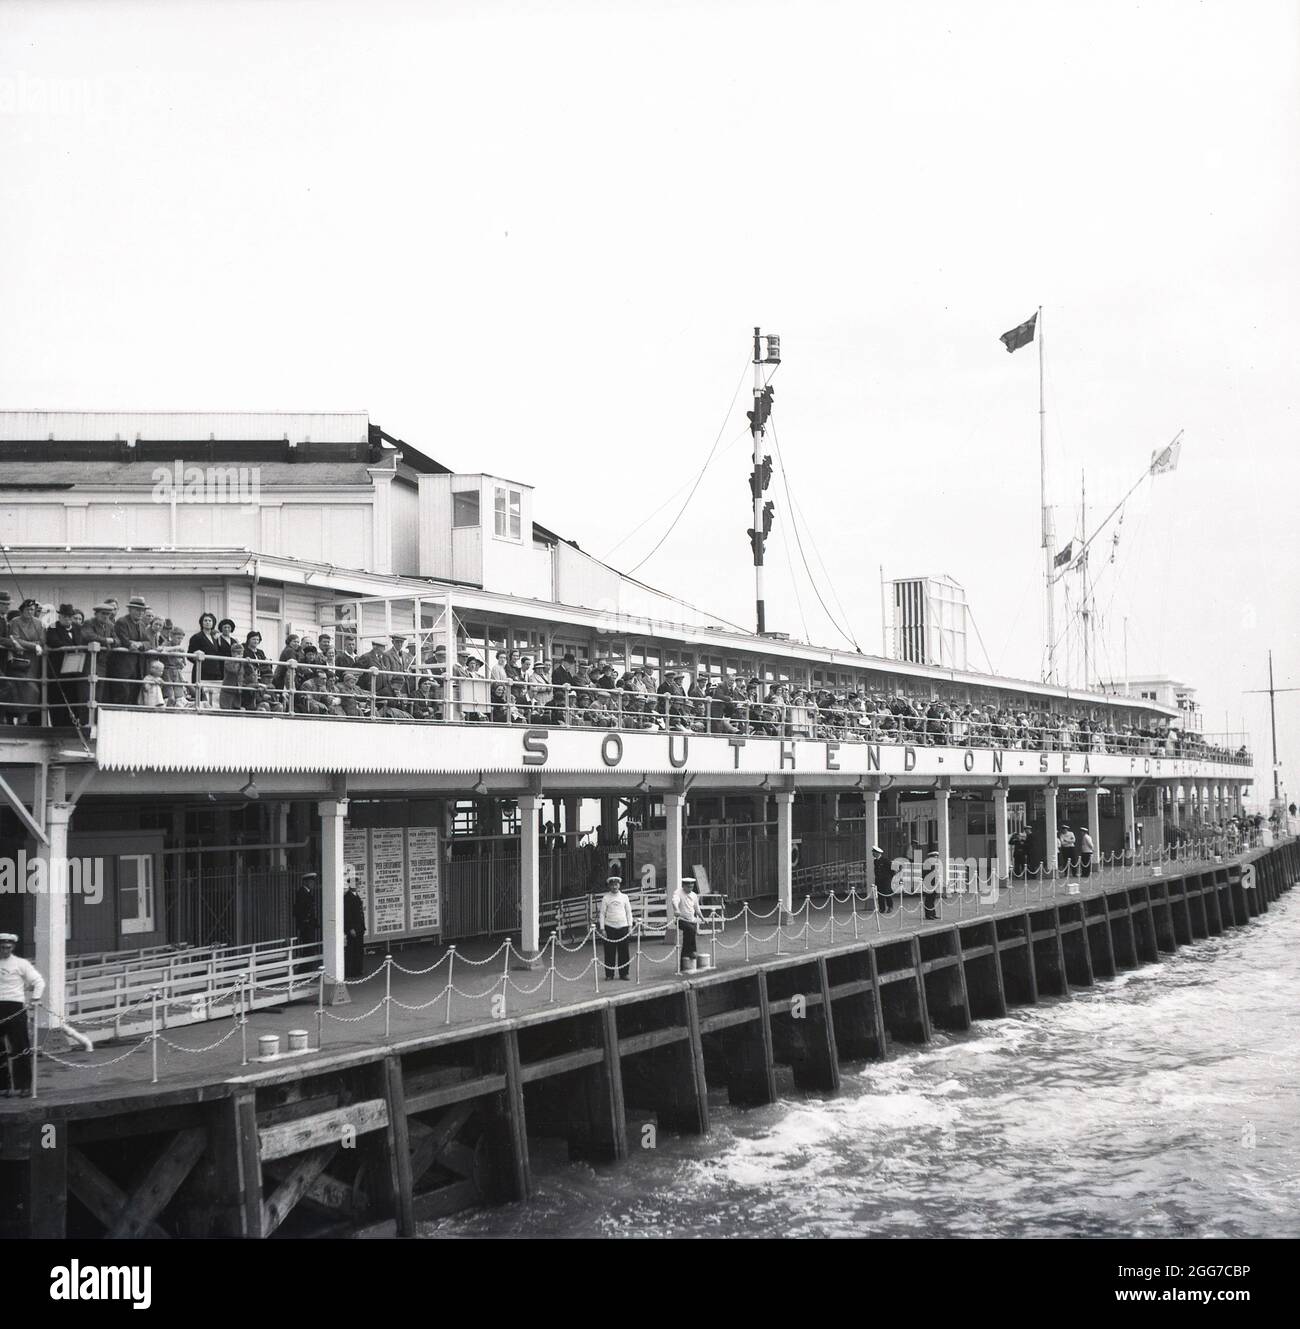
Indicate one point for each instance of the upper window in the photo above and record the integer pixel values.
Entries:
(509, 509)
(464, 507)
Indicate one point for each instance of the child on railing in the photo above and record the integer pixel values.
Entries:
(151, 689)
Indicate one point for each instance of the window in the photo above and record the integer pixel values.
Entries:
(464, 507)
(268, 602)
(509, 510)
(135, 892)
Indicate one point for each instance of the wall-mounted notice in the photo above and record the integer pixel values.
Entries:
(388, 880)
(398, 873)
(423, 878)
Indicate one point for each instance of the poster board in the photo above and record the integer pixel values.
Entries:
(398, 873)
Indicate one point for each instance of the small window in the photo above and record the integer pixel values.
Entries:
(509, 510)
(464, 507)
(268, 602)
(135, 892)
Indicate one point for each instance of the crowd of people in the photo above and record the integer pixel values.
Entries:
(150, 662)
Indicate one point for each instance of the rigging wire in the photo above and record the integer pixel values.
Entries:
(794, 582)
(785, 479)
(699, 477)
(812, 540)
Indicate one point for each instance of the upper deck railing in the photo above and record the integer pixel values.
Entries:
(74, 682)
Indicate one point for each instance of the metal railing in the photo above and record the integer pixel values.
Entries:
(76, 681)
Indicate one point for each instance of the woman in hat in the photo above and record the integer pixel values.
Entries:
(26, 632)
(65, 667)
(207, 643)
(615, 925)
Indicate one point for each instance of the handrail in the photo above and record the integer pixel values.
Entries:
(174, 679)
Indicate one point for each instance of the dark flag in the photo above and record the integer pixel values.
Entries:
(1020, 336)
(1067, 553)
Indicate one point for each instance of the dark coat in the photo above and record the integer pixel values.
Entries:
(354, 913)
(213, 649)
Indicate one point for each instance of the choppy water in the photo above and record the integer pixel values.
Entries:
(1163, 1103)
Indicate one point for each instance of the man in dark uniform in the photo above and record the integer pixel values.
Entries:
(883, 875)
(354, 932)
(1019, 854)
(306, 915)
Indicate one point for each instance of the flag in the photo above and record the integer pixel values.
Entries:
(1167, 460)
(1020, 336)
(1064, 556)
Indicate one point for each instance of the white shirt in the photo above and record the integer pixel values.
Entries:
(1087, 843)
(615, 911)
(17, 976)
(686, 905)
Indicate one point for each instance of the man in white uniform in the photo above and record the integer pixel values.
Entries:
(20, 984)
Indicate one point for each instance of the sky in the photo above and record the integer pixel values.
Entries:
(534, 239)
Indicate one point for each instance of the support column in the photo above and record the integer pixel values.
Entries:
(1094, 820)
(1049, 828)
(1002, 842)
(674, 810)
(280, 825)
(871, 823)
(942, 795)
(784, 850)
(609, 820)
(572, 821)
(530, 874)
(1162, 797)
(333, 813)
(1130, 819)
(52, 913)
(1175, 808)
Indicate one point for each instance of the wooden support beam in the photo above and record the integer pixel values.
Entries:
(160, 1183)
(244, 1106)
(287, 1194)
(463, 1091)
(296, 1137)
(431, 1141)
(399, 1146)
(101, 1194)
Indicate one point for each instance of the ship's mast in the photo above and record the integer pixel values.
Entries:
(1049, 675)
(1085, 607)
(767, 351)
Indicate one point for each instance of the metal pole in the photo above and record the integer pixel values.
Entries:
(1272, 720)
(553, 938)
(153, 1026)
(388, 993)
(759, 605)
(36, 1047)
(451, 964)
(1047, 517)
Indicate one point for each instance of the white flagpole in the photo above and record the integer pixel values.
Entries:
(1048, 551)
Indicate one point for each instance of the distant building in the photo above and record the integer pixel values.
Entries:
(1167, 691)
(927, 621)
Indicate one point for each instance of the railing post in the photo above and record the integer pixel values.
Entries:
(36, 1048)
(388, 995)
(595, 959)
(92, 682)
(153, 1025)
(451, 965)
(552, 973)
(505, 977)
(243, 1025)
(320, 1010)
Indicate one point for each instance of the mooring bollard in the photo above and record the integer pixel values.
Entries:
(451, 964)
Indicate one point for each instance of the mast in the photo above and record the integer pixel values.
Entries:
(1048, 541)
(1085, 608)
(1272, 720)
(767, 351)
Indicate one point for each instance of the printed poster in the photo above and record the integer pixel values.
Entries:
(388, 880)
(423, 878)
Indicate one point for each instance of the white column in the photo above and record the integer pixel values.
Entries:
(1094, 821)
(530, 875)
(280, 822)
(784, 849)
(1175, 809)
(1049, 829)
(1162, 796)
(1002, 845)
(871, 804)
(674, 810)
(52, 911)
(942, 797)
(333, 814)
(1130, 819)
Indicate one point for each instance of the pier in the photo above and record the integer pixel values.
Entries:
(421, 1096)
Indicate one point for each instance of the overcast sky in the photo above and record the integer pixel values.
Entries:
(534, 238)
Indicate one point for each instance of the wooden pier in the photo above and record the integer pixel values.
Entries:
(380, 1138)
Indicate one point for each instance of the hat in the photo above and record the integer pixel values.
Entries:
(252, 634)
(471, 658)
(310, 875)
(139, 602)
(221, 627)
(614, 876)
(66, 611)
(104, 608)
(9, 936)
(441, 646)
(876, 849)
